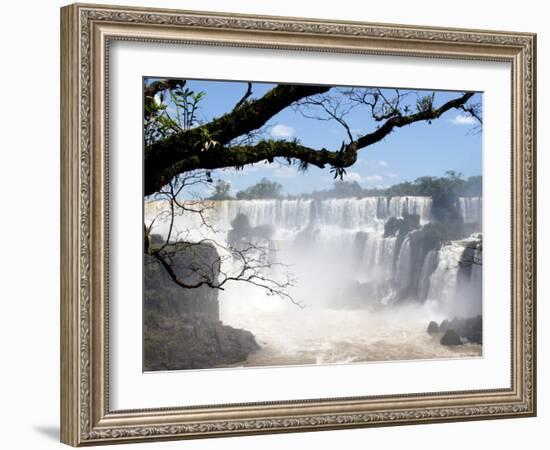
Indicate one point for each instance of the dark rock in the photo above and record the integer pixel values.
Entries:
(444, 326)
(428, 267)
(395, 226)
(410, 222)
(181, 327)
(468, 330)
(433, 328)
(156, 239)
(422, 241)
(469, 276)
(445, 206)
(162, 295)
(451, 338)
(243, 231)
(193, 341)
(472, 330)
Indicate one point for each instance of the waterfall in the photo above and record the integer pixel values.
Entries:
(443, 279)
(341, 239)
(403, 264)
(400, 206)
(287, 214)
(367, 214)
(468, 299)
(470, 209)
(378, 257)
(428, 266)
(456, 280)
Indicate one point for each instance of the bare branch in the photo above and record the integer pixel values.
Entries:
(240, 156)
(334, 108)
(251, 269)
(163, 158)
(248, 262)
(474, 110)
(162, 85)
(247, 94)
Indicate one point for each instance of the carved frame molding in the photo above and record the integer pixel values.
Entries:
(86, 32)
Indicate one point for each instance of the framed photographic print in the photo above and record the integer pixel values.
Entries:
(276, 224)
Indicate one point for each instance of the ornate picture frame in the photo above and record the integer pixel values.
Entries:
(87, 31)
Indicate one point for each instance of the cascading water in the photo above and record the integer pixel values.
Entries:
(403, 264)
(344, 255)
(443, 280)
(470, 209)
(428, 266)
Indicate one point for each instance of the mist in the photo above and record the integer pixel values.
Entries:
(368, 275)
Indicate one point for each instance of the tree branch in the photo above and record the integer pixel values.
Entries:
(247, 94)
(401, 121)
(162, 85)
(240, 156)
(206, 147)
(161, 157)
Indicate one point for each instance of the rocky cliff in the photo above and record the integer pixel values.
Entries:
(181, 327)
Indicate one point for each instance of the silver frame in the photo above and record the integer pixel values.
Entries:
(86, 32)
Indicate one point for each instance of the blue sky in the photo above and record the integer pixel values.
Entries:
(420, 149)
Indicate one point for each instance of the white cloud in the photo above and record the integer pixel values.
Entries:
(286, 172)
(392, 175)
(373, 178)
(353, 176)
(382, 164)
(462, 119)
(281, 130)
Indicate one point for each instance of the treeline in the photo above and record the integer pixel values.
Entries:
(452, 184)
(263, 189)
(443, 190)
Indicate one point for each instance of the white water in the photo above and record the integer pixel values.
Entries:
(470, 209)
(315, 335)
(321, 242)
(444, 279)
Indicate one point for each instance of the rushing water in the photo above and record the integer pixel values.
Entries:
(470, 209)
(368, 296)
(314, 335)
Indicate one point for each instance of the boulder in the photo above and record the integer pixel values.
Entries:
(193, 341)
(189, 262)
(451, 338)
(181, 327)
(468, 330)
(444, 326)
(395, 226)
(433, 328)
(472, 330)
(243, 232)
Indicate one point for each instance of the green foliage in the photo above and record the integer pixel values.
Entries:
(221, 191)
(160, 122)
(425, 103)
(261, 190)
(453, 184)
(444, 192)
(473, 187)
(343, 189)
